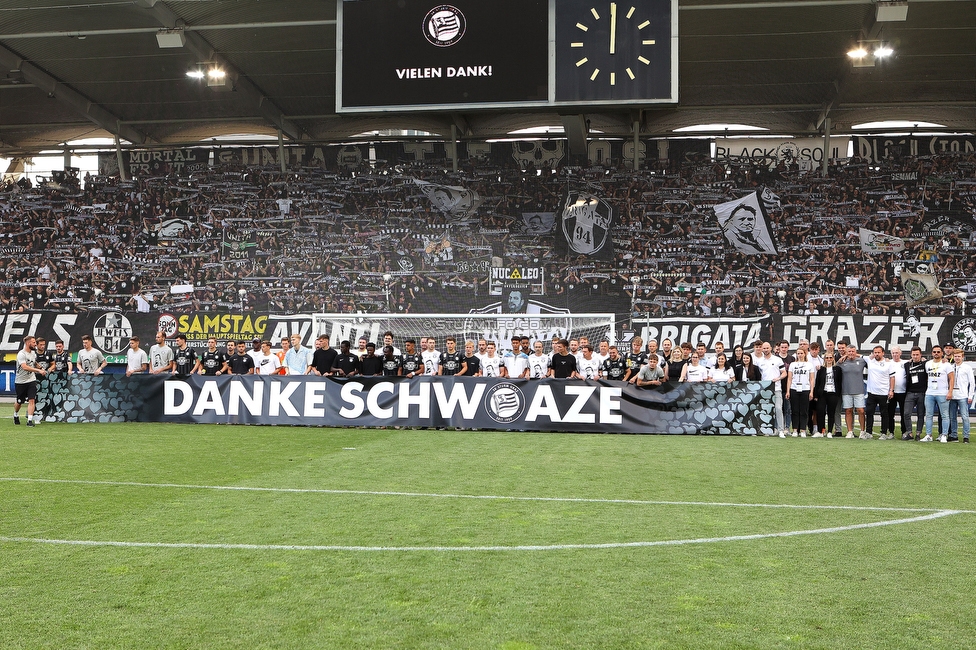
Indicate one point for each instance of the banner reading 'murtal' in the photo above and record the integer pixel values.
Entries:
(470, 402)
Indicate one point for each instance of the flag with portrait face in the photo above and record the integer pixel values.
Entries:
(746, 225)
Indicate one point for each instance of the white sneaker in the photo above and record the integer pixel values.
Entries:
(850, 434)
(866, 436)
(793, 434)
(782, 434)
(926, 439)
(943, 438)
(817, 435)
(803, 434)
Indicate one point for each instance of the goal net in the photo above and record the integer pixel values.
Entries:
(499, 328)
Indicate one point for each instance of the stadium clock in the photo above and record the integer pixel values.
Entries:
(612, 51)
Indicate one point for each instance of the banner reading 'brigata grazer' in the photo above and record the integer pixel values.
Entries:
(471, 402)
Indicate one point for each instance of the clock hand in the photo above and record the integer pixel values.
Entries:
(613, 27)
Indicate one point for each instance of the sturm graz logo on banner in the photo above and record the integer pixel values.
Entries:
(504, 403)
(444, 25)
(111, 333)
(964, 334)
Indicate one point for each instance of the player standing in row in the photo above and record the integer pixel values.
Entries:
(298, 359)
(539, 362)
(212, 362)
(160, 356)
(587, 365)
(185, 357)
(615, 367)
(26, 380)
(136, 359)
(411, 363)
(90, 360)
(62, 360)
(451, 362)
(431, 357)
(515, 365)
(563, 364)
(240, 363)
(267, 364)
(472, 364)
(491, 362)
(324, 357)
(346, 363)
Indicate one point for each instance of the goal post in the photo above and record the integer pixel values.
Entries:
(499, 328)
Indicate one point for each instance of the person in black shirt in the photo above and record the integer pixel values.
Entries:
(472, 364)
(324, 357)
(452, 361)
(45, 357)
(184, 356)
(371, 365)
(916, 381)
(615, 367)
(412, 364)
(562, 365)
(212, 362)
(346, 364)
(391, 362)
(241, 363)
(62, 361)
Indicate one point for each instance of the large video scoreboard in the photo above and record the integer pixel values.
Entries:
(410, 55)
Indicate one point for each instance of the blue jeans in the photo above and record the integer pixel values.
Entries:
(959, 406)
(931, 402)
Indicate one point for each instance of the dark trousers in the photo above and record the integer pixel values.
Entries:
(827, 411)
(897, 401)
(876, 402)
(916, 402)
(799, 408)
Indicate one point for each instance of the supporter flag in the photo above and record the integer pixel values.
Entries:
(586, 222)
(878, 242)
(538, 223)
(455, 201)
(920, 287)
(239, 244)
(746, 225)
(770, 200)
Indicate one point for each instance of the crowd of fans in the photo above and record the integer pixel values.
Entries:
(370, 239)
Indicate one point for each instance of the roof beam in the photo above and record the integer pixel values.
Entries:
(68, 95)
(245, 88)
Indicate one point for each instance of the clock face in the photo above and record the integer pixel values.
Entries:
(613, 51)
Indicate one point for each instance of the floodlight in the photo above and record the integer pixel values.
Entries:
(170, 38)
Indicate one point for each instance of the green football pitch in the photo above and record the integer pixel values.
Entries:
(164, 536)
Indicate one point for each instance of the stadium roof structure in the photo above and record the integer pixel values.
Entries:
(75, 69)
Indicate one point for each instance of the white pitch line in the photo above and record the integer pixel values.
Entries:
(454, 549)
(487, 497)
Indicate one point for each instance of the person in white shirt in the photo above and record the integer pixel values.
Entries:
(430, 356)
(703, 357)
(136, 359)
(268, 364)
(773, 369)
(938, 393)
(694, 371)
(490, 363)
(799, 390)
(881, 388)
(538, 362)
(588, 366)
(603, 351)
(963, 391)
(897, 400)
(722, 371)
(515, 365)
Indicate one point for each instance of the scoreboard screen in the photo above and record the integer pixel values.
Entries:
(423, 55)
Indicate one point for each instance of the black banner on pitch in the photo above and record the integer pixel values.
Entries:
(473, 402)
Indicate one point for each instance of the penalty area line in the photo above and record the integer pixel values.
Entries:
(459, 549)
(484, 497)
